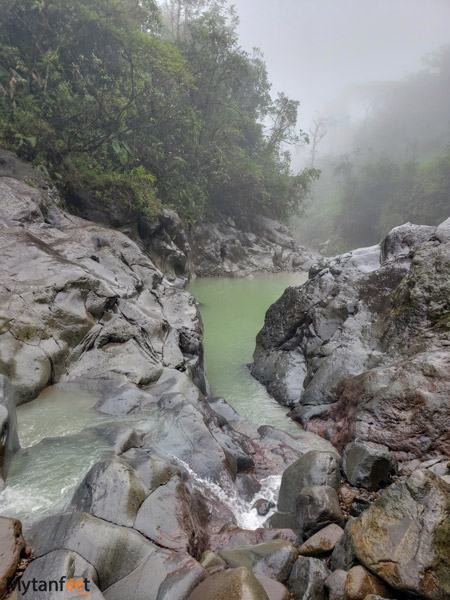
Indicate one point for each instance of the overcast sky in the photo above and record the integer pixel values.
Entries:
(316, 48)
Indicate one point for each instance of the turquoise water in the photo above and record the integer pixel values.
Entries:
(233, 312)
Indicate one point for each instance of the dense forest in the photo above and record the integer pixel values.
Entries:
(147, 104)
(387, 165)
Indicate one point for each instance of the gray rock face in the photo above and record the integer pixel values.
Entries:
(220, 248)
(112, 491)
(363, 345)
(313, 468)
(104, 312)
(307, 579)
(9, 439)
(167, 517)
(317, 506)
(273, 559)
(335, 585)
(52, 567)
(367, 466)
(403, 537)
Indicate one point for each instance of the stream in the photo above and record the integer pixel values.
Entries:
(58, 434)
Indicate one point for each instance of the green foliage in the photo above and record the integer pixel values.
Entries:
(109, 102)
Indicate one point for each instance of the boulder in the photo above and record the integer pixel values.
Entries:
(233, 584)
(11, 546)
(307, 579)
(367, 466)
(322, 542)
(335, 585)
(272, 559)
(313, 468)
(163, 575)
(166, 517)
(52, 568)
(112, 550)
(274, 589)
(9, 439)
(316, 507)
(112, 491)
(403, 537)
(343, 556)
(210, 560)
(359, 583)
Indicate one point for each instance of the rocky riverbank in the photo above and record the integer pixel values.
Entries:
(361, 353)
(221, 249)
(87, 310)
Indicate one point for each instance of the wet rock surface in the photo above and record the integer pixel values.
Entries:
(9, 439)
(403, 537)
(220, 248)
(366, 342)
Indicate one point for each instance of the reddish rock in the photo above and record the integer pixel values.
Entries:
(322, 542)
(403, 406)
(11, 546)
(360, 583)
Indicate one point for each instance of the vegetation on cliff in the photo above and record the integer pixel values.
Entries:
(148, 105)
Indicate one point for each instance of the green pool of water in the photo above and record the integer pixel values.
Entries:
(233, 312)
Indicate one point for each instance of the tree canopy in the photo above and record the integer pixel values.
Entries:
(149, 105)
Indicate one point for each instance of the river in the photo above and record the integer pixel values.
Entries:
(58, 434)
(233, 312)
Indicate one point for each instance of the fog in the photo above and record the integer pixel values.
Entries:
(315, 49)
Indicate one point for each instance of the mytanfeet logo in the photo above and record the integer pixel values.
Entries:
(78, 585)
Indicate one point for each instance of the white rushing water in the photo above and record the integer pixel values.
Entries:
(246, 516)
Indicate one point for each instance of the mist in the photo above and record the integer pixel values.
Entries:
(373, 80)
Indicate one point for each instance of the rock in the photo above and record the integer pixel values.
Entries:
(11, 546)
(263, 506)
(335, 585)
(9, 439)
(112, 491)
(313, 468)
(322, 542)
(367, 466)
(365, 344)
(234, 537)
(116, 551)
(359, 583)
(347, 496)
(272, 559)
(210, 560)
(233, 584)
(274, 589)
(343, 556)
(54, 566)
(220, 247)
(166, 517)
(358, 505)
(151, 470)
(403, 536)
(164, 574)
(316, 507)
(307, 579)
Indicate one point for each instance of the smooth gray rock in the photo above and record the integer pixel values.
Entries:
(273, 559)
(367, 466)
(9, 439)
(114, 551)
(52, 567)
(335, 585)
(313, 468)
(112, 491)
(166, 517)
(307, 579)
(11, 546)
(164, 575)
(316, 507)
